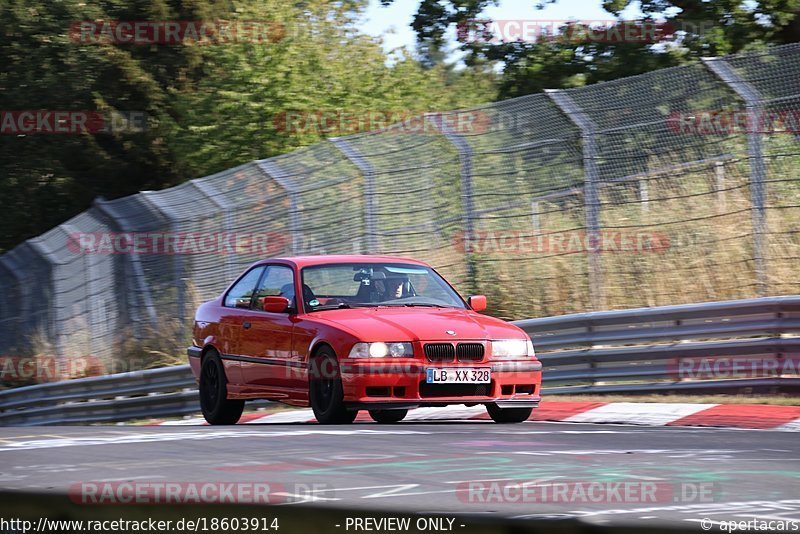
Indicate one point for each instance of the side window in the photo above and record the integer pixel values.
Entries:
(241, 293)
(278, 282)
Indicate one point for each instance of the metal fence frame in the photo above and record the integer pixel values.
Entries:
(136, 300)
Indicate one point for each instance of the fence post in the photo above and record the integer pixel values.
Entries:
(210, 192)
(368, 172)
(141, 288)
(177, 259)
(16, 326)
(468, 213)
(282, 179)
(53, 330)
(94, 309)
(591, 200)
(754, 106)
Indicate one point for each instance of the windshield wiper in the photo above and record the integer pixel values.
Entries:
(340, 306)
(413, 304)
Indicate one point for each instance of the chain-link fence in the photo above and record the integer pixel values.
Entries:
(676, 186)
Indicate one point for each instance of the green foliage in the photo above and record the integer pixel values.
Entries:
(709, 28)
(210, 107)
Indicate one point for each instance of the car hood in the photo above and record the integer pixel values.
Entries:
(413, 324)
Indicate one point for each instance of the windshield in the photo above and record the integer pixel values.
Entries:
(351, 285)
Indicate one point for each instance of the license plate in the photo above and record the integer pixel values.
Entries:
(458, 375)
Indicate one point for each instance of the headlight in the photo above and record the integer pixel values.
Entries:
(512, 348)
(382, 350)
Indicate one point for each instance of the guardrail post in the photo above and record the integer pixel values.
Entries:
(536, 223)
(754, 106)
(142, 289)
(719, 185)
(468, 209)
(591, 201)
(644, 195)
(282, 179)
(368, 172)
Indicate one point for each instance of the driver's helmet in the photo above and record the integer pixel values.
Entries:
(396, 287)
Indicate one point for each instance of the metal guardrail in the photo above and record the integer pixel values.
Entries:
(626, 351)
(639, 350)
(168, 391)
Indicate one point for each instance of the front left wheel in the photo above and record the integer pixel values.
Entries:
(217, 408)
(326, 392)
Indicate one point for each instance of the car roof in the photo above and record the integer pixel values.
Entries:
(305, 261)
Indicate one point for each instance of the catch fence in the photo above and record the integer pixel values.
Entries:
(676, 186)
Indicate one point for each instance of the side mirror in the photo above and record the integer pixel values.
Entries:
(242, 302)
(275, 304)
(477, 302)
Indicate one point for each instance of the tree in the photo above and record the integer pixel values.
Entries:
(209, 107)
(322, 79)
(690, 29)
(47, 178)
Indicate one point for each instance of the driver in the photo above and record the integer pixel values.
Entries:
(395, 288)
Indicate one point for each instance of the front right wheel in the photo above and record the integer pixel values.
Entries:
(387, 416)
(508, 415)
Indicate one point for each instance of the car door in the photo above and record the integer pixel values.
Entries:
(266, 344)
(237, 301)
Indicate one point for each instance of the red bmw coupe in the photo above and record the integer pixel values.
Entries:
(346, 333)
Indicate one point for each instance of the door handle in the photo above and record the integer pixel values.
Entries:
(246, 325)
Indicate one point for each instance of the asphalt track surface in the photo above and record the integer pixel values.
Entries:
(425, 467)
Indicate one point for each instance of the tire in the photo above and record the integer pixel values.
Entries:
(217, 408)
(387, 416)
(326, 392)
(508, 415)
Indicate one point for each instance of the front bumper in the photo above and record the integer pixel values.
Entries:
(402, 383)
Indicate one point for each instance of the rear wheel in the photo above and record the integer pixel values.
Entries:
(217, 408)
(508, 415)
(387, 416)
(326, 391)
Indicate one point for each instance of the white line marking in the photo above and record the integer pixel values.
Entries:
(192, 435)
(392, 492)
